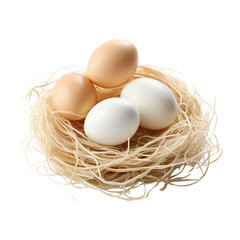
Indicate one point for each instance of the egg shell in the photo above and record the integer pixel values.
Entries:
(113, 63)
(74, 93)
(156, 103)
(112, 121)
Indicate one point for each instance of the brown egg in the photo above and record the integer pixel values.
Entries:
(74, 93)
(113, 63)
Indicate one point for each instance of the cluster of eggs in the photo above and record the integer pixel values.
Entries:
(143, 102)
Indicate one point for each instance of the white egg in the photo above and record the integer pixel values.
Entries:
(112, 121)
(156, 103)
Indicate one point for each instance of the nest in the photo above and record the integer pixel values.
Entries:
(150, 157)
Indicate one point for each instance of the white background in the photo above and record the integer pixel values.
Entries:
(198, 38)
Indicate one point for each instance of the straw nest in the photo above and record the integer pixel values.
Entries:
(147, 159)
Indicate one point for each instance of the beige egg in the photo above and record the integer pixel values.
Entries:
(113, 63)
(74, 93)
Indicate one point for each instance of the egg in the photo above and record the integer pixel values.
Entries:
(75, 94)
(156, 103)
(113, 63)
(112, 121)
